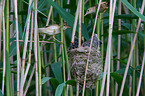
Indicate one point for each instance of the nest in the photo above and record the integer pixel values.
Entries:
(78, 60)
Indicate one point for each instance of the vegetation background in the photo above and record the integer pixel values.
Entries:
(30, 64)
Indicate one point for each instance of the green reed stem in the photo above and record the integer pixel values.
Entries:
(8, 69)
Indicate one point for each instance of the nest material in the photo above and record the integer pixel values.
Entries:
(78, 60)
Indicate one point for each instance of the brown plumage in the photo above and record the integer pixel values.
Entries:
(103, 8)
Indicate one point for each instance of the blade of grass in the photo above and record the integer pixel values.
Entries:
(129, 6)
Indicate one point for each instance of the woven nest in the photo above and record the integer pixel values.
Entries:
(78, 60)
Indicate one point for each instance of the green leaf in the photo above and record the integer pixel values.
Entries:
(41, 4)
(54, 82)
(119, 32)
(71, 82)
(119, 79)
(1, 93)
(56, 68)
(129, 6)
(12, 48)
(45, 79)
(121, 71)
(59, 89)
(126, 26)
(69, 18)
(122, 16)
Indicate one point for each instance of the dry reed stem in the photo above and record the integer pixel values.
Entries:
(11, 35)
(50, 11)
(32, 41)
(4, 52)
(141, 73)
(25, 50)
(35, 45)
(77, 93)
(30, 48)
(1, 16)
(48, 19)
(29, 81)
(119, 43)
(132, 47)
(107, 61)
(109, 48)
(75, 23)
(18, 51)
(80, 17)
(90, 47)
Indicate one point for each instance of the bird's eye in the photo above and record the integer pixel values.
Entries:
(88, 10)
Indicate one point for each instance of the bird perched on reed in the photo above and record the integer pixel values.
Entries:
(52, 30)
(103, 8)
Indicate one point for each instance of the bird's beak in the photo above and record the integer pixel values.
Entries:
(65, 27)
(85, 14)
(68, 27)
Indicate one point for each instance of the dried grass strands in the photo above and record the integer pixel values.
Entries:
(78, 59)
(25, 49)
(30, 49)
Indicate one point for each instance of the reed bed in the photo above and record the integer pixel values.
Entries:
(72, 62)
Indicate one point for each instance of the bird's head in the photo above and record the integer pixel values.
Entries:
(65, 26)
(90, 10)
(104, 5)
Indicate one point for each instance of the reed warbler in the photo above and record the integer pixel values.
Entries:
(103, 8)
(52, 30)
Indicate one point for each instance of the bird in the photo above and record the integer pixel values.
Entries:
(74, 44)
(52, 30)
(103, 8)
(95, 42)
